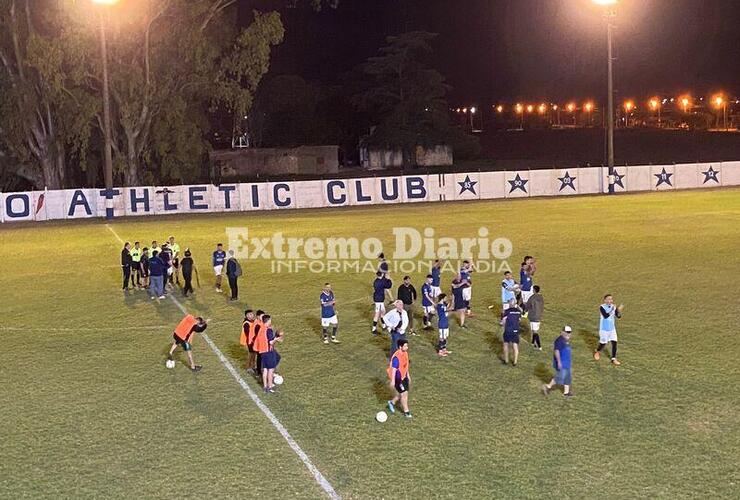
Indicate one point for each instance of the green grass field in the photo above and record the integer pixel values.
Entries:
(89, 410)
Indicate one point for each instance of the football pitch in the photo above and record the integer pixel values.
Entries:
(88, 408)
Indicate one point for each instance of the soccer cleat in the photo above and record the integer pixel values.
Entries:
(196, 368)
(335, 340)
(413, 333)
(568, 394)
(463, 327)
(162, 297)
(326, 340)
(391, 408)
(513, 364)
(407, 414)
(597, 355)
(153, 297)
(616, 362)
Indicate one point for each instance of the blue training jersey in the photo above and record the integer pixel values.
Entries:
(512, 317)
(219, 257)
(607, 324)
(436, 276)
(442, 322)
(465, 274)
(327, 307)
(507, 295)
(426, 292)
(380, 285)
(457, 295)
(525, 280)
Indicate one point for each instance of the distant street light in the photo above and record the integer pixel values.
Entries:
(107, 150)
(610, 14)
(472, 112)
(530, 108)
(520, 111)
(655, 106)
(499, 109)
(685, 102)
(628, 107)
(721, 103)
(571, 107)
(589, 107)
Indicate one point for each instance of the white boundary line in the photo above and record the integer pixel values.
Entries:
(317, 475)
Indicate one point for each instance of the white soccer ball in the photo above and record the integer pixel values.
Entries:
(278, 379)
(170, 363)
(381, 416)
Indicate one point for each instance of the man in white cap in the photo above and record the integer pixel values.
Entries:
(396, 320)
(561, 362)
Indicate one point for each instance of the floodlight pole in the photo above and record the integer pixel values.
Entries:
(610, 16)
(108, 156)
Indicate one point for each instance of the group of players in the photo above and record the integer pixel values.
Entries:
(519, 300)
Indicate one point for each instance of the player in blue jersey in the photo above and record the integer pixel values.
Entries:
(329, 314)
(458, 300)
(526, 277)
(436, 279)
(427, 302)
(608, 314)
(508, 291)
(443, 324)
(381, 290)
(510, 322)
(219, 259)
(382, 264)
(466, 271)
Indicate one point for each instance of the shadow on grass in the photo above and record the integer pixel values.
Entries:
(237, 353)
(542, 372)
(313, 323)
(497, 346)
(381, 389)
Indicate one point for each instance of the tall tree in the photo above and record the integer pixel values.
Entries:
(42, 111)
(167, 58)
(405, 96)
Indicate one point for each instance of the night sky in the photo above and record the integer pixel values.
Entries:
(492, 50)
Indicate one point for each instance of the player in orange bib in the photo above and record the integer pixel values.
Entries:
(246, 338)
(400, 378)
(183, 335)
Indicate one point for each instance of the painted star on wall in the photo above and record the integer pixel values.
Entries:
(664, 178)
(567, 181)
(618, 179)
(711, 175)
(468, 185)
(518, 183)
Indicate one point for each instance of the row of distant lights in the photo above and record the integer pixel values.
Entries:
(629, 105)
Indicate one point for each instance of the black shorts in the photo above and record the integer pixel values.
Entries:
(176, 263)
(183, 343)
(405, 383)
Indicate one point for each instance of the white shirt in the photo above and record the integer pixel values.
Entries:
(396, 319)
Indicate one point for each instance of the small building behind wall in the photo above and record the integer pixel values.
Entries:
(251, 163)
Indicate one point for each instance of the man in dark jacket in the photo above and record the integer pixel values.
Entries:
(407, 295)
(126, 262)
(188, 267)
(534, 307)
(233, 271)
(157, 273)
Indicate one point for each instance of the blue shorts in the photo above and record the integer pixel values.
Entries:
(270, 360)
(563, 377)
(511, 337)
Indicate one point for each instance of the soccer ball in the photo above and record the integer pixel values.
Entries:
(278, 379)
(170, 363)
(381, 416)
